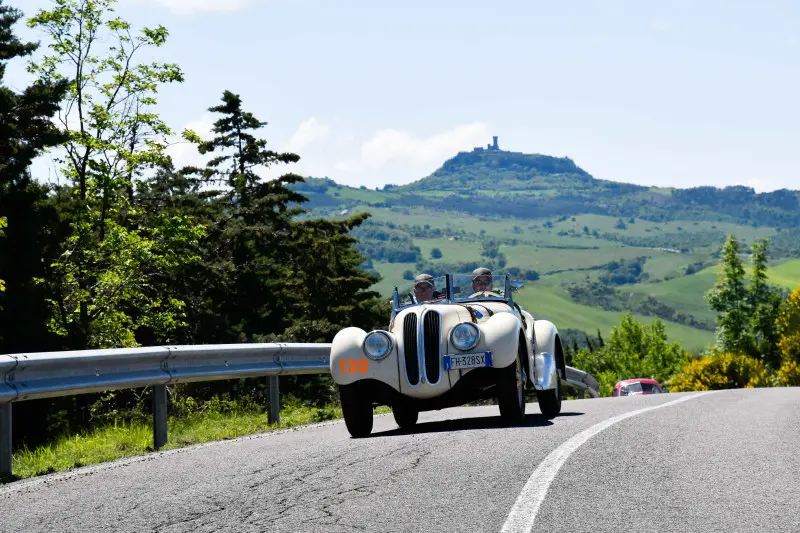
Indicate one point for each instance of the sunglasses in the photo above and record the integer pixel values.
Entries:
(482, 281)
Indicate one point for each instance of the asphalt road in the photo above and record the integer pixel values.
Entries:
(725, 461)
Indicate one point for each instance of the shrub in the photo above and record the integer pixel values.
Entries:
(721, 371)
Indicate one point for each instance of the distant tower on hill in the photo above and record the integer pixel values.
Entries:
(489, 147)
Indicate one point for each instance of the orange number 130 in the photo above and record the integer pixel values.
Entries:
(349, 366)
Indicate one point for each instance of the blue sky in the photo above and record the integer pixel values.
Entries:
(663, 93)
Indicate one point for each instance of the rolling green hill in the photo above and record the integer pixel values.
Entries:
(588, 249)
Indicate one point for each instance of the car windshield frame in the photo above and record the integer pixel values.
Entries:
(451, 296)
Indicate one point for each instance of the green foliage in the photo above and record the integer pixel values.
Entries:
(625, 271)
(720, 371)
(100, 283)
(436, 253)
(765, 304)
(3, 224)
(26, 131)
(747, 312)
(606, 297)
(633, 350)
(729, 299)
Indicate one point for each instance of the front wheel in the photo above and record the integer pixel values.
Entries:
(357, 409)
(511, 398)
(405, 416)
(550, 400)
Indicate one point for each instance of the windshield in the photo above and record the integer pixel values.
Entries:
(640, 387)
(412, 292)
(465, 287)
(469, 287)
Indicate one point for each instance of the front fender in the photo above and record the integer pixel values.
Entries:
(349, 363)
(501, 336)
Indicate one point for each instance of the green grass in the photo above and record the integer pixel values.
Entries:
(642, 228)
(554, 304)
(786, 274)
(128, 440)
(544, 260)
(687, 293)
(452, 251)
(392, 274)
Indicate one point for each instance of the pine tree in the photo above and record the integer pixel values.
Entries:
(765, 303)
(729, 298)
(25, 131)
(255, 233)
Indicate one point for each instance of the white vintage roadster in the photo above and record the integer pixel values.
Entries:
(460, 346)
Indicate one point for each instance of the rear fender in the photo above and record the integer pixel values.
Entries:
(546, 365)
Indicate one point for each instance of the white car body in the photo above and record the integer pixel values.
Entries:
(420, 371)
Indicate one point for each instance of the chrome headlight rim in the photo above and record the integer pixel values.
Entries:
(471, 345)
(389, 344)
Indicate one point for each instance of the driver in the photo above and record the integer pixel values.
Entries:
(481, 279)
(425, 289)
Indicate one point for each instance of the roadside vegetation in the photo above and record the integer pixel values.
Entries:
(124, 249)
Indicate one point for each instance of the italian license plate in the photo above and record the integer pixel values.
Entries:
(467, 360)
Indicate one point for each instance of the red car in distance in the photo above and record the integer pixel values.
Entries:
(633, 387)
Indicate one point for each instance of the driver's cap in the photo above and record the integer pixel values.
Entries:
(481, 272)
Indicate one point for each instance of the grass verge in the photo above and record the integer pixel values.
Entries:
(136, 438)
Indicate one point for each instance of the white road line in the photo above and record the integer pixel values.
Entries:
(523, 514)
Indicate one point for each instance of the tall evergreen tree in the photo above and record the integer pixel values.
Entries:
(729, 298)
(25, 131)
(255, 227)
(765, 303)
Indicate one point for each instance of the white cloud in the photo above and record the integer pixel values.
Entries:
(186, 7)
(387, 156)
(308, 132)
(390, 146)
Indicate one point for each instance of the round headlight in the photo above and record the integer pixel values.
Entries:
(377, 344)
(465, 336)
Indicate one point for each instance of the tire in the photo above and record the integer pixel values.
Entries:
(550, 400)
(405, 416)
(511, 397)
(357, 409)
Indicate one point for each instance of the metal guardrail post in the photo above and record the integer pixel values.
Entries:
(159, 416)
(581, 394)
(5, 438)
(274, 407)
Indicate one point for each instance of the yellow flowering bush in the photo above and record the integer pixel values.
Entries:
(721, 371)
(789, 343)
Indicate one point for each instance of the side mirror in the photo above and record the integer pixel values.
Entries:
(516, 285)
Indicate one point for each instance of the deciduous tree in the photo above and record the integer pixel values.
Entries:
(101, 282)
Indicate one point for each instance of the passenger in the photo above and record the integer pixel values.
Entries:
(481, 279)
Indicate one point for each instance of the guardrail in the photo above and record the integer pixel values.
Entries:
(33, 376)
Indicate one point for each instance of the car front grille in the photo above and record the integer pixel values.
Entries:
(410, 343)
(432, 342)
(430, 335)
